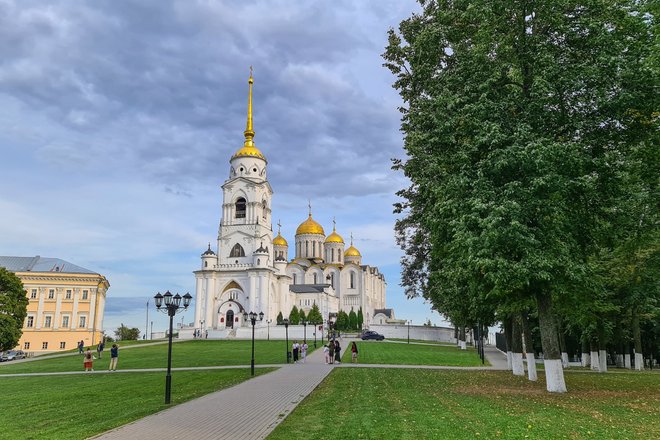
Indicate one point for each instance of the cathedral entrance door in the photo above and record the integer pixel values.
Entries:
(229, 319)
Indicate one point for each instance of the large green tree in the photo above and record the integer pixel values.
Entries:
(13, 309)
(515, 116)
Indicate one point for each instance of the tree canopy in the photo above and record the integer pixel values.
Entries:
(13, 309)
(521, 123)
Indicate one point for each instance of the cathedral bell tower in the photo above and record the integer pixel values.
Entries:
(246, 207)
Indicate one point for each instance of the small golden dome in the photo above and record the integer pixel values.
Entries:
(334, 238)
(310, 226)
(279, 241)
(249, 151)
(352, 252)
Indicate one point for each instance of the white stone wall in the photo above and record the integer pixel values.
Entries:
(424, 333)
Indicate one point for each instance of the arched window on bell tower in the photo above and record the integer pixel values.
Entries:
(237, 251)
(240, 207)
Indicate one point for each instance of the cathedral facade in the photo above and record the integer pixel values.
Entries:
(250, 270)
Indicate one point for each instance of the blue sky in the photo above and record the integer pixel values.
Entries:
(118, 119)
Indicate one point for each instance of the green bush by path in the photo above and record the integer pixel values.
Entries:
(379, 352)
(195, 353)
(381, 404)
(79, 406)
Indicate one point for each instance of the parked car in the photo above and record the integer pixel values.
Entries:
(12, 355)
(369, 334)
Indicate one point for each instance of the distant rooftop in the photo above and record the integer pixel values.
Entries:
(41, 264)
(308, 288)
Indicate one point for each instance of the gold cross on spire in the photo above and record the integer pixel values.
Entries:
(309, 205)
(334, 223)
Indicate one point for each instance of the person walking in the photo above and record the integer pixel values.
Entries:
(296, 348)
(326, 354)
(99, 348)
(114, 355)
(354, 352)
(331, 351)
(88, 360)
(303, 351)
(81, 347)
(337, 352)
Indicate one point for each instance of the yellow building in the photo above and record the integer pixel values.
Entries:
(66, 303)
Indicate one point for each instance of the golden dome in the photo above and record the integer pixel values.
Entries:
(352, 252)
(334, 238)
(310, 226)
(279, 241)
(249, 151)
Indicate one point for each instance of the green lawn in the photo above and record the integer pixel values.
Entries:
(361, 403)
(379, 352)
(79, 406)
(195, 353)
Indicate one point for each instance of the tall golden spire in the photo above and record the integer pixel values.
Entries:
(249, 149)
(249, 131)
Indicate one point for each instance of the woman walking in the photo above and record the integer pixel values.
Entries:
(331, 351)
(303, 351)
(354, 352)
(337, 352)
(88, 360)
(296, 348)
(326, 354)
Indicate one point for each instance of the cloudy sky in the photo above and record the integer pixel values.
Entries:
(118, 119)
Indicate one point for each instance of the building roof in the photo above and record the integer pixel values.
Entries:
(41, 264)
(308, 288)
(387, 312)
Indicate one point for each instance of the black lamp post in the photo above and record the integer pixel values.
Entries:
(171, 305)
(304, 323)
(316, 323)
(253, 320)
(286, 328)
(268, 322)
(322, 343)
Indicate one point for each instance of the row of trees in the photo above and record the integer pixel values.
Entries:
(531, 130)
(344, 321)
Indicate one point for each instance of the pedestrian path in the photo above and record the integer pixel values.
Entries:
(249, 410)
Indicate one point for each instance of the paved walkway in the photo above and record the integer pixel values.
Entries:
(249, 410)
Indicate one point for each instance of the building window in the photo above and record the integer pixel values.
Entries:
(44, 345)
(332, 253)
(62, 345)
(237, 251)
(240, 208)
(295, 278)
(83, 321)
(85, 294)
(68, 294)
(314, 249)
(206, 264)
(51, 293)
(33, 294)
(65, 321)
(29, 322)
(47, 321)
(314, 278)
(352, 284)
(26, 346)
(306, 249)
(263, 207)
(332, 280)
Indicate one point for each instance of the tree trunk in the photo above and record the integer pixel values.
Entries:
(595, 364)
(554, 372)
(461, 337)
(508, 332)
(637, 339)
(562, 344)
(516, 347)
(626, 355)
(586, 357)
(602, 349)
(529, 348)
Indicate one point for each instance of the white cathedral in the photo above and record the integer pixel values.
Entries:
(251, 270)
